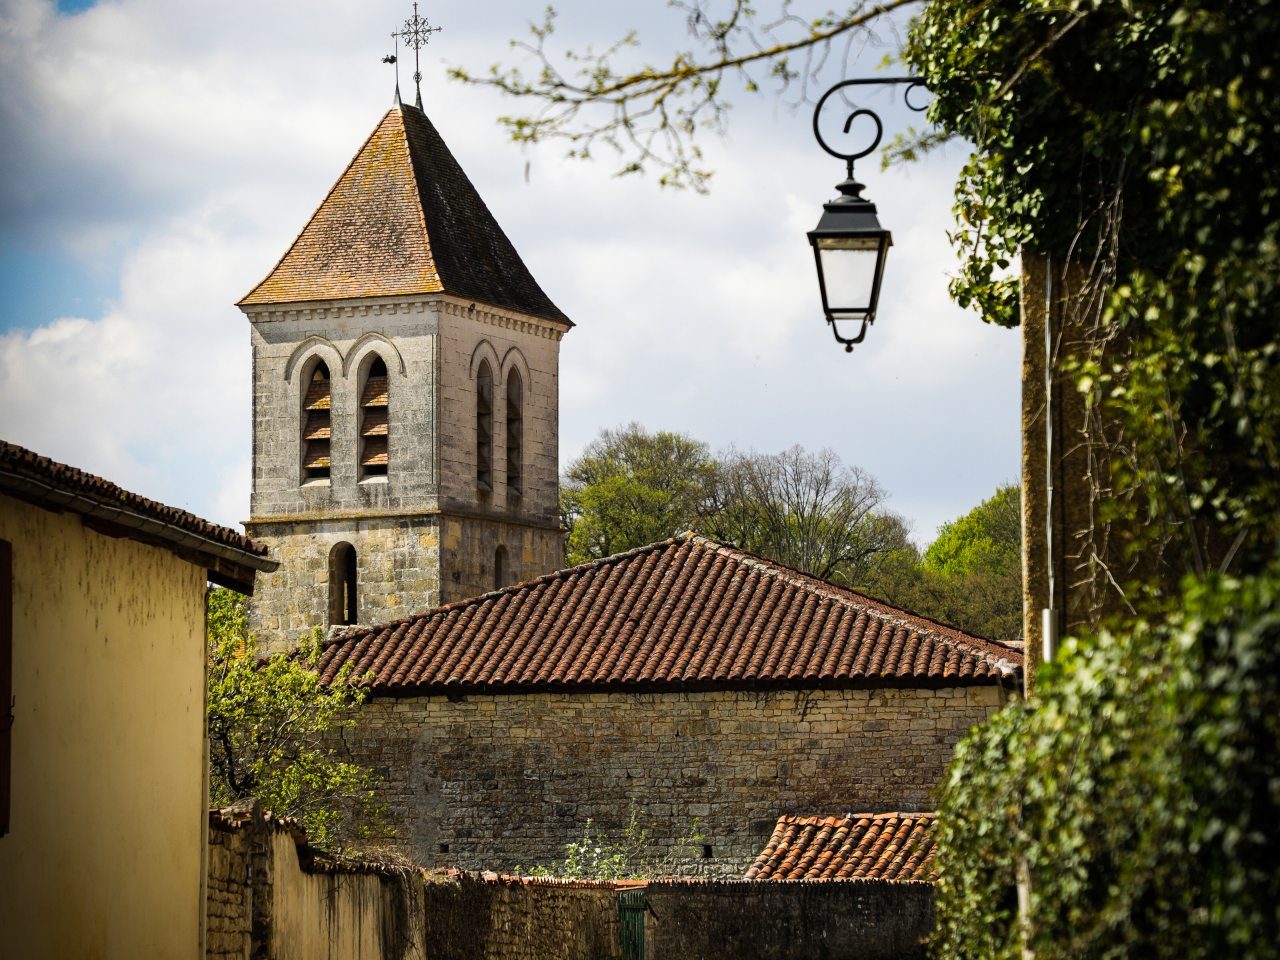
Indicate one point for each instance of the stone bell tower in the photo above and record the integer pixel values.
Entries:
(405, 398)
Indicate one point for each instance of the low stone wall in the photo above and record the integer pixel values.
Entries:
(512, 918)
(229, 893)
(271, 897)
(787, 919)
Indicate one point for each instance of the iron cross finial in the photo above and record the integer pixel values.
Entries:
(417, 34)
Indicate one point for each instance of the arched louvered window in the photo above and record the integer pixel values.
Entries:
(317, 425)
(500, 568)
(484, 426)
(375, 410)
(515, 434)
(343, 606)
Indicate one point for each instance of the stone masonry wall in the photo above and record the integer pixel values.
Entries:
(509, 918)
(492, 782)
(787, 920)
(471, 332)
(229, 893)
(470, 546)
(397, 567)
(345, 336)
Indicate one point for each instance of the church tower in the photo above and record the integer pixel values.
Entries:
(405, 398)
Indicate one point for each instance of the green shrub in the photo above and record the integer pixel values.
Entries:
(1139, 790)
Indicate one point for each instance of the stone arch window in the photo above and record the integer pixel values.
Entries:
(515, 433)
(317, 423)
(484, 426)
(375, 416)
(500, 567)
(343, 602)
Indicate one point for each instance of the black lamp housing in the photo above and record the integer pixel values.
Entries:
(850, 248)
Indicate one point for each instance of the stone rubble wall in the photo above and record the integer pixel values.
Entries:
(229, 892)
(504, 782)
(509, 918)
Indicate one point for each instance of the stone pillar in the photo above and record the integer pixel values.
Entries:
(1070, 561)
(1059, 474)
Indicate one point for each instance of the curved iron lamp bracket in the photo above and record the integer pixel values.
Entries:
(849, 341)
(911, 83)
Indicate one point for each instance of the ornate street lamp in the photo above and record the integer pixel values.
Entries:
(849, 244)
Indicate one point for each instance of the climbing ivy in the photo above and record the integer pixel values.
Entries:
(1135, 140)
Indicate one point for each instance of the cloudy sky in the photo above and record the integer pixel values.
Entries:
(159, 156)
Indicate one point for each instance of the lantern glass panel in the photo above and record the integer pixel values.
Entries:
(849, 266)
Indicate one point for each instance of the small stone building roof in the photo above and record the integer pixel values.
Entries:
(404, 219)
(230, 557)
(685, 613)
(857, 846)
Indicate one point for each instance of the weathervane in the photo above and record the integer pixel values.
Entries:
(417, 34)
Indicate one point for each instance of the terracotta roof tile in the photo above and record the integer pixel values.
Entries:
(688, 612)
(56, 486)
(863, 846)
(404, 219)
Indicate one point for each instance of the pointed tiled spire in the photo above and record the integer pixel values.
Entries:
(404, 219)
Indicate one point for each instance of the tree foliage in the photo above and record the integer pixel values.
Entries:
(971, 575)
(631, 487)
(1132, 141)
(986, 540)
(1139, 789)
(806, 510)
(272, 734)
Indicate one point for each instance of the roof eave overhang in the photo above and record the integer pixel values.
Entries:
(459, 690)
(225, 565)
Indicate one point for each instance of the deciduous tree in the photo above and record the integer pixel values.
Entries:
(273, 730)
(631, 487)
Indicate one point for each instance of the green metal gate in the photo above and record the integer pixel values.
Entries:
(631, 907)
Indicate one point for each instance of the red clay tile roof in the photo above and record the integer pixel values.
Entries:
(686, 613)
(404, 219)
(868, 846)
(57, 486)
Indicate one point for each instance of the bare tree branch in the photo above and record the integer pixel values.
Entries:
(651, 117)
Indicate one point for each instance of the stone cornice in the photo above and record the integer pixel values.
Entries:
(506, 319)
(429, 513)
(321, 310)
(313, 310)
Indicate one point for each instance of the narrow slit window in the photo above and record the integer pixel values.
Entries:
(317, 424)
(375, 418)
(500, 568)
(515, 434)
(343, 602)
(484, 427)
